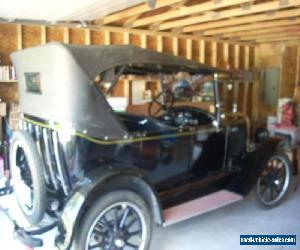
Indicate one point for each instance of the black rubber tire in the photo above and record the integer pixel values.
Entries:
(104, 202)
(288, 180)
(36, 167)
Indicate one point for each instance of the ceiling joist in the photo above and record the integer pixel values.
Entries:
(136, 11)
(240, 11)
(185, 11)
(243, 20)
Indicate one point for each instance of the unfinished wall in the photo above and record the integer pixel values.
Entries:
(218, 53)
(285, 56)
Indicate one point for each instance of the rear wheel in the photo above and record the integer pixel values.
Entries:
(27, 176)
(274, 183)
(119, 220)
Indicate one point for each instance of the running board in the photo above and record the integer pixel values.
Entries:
(199, 206)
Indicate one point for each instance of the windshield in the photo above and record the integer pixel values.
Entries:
(135, 92)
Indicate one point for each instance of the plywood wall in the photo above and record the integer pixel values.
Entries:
(14, 37)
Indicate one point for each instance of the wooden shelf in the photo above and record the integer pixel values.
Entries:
(9, 81)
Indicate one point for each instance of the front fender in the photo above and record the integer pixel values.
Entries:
(98, 182)
(253, 164)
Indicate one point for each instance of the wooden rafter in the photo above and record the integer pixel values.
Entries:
(242, 20)
(273, 35)
(240, 11)
(136, 10)
(260, 25)
(184, 11)
(263, 31)
(278, 39)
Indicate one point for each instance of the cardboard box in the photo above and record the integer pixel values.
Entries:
(2, 109)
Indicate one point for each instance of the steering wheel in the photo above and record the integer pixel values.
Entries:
(164, 101)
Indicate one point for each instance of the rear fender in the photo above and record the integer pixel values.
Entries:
(253, 164)
(96, 183)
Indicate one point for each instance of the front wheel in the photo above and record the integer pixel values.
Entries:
(274, 182)
(119, 220)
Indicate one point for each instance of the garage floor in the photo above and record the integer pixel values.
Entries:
(217, 230)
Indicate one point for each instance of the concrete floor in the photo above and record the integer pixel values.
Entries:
(217, 230)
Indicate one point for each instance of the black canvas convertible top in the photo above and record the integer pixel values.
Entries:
(56, 82)
(95, 59)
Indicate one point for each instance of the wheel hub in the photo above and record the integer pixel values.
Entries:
(119, 242)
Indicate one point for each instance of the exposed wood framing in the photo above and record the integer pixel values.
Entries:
(236, 56)
(202, 51)
(175, 46)
(226, 53)
(106, 37)
(126, 38)
(135, 11)
(247, 57)
(87, 37)
(278, 39)
(253, 26)
(144, 41)
(264, 31)
(66, 35)
(242, 20)
(19, 37)
(240, 11)
(214, 54)
(184, 11)
(272, 35)
(159, 44)
(43, 34)
(189, 49)
(132, 31)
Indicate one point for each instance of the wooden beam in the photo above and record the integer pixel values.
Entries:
(43, 34)
(263, 31)
(268, 6)
(236, 56)
(66, 35)
(87, 37)
(226, 52)
(214, 53)
(202, 51)
(107, 37)
(184, 11)
(19, 37)
(144, 41)
(175, 46)
(175, 6)
(135, 11)
(278, 39)
(126, 38)
(247, 57)
(242, 20)
(130, 20)
(254, 26)
(189, 49)
(159, 44)
(272, 35)
(132, 31)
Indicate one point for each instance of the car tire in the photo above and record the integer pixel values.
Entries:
(112, 232)
(276, 178)
(27, 169)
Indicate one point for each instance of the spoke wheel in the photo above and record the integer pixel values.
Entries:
(119, 220)
(274, 181)
(27, 177)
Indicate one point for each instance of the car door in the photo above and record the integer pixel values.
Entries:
(167, 154)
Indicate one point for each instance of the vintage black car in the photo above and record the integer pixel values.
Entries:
(105, 177)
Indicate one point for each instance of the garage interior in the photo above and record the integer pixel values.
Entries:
(257, 36)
